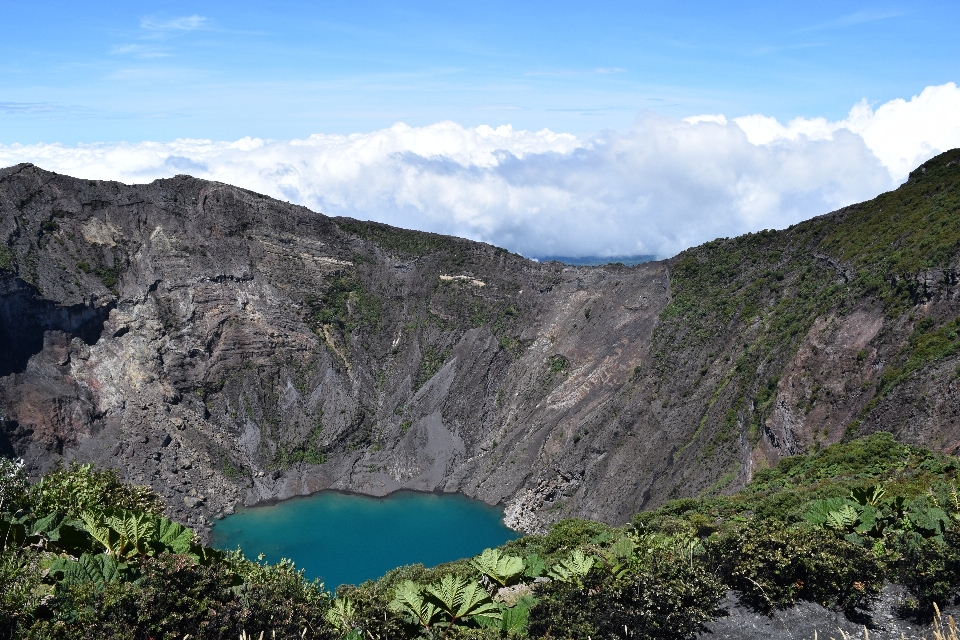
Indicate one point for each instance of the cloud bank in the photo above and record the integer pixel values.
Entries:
(657, 188)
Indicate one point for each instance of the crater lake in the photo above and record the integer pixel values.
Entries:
(346, 538)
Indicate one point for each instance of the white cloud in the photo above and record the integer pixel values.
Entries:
(901, 133)
(717, 118)
(184, 23)
(139, 50)
(659, 187)
(905, 133)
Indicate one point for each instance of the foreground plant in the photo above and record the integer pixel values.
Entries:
(453, 601)
(502, 569)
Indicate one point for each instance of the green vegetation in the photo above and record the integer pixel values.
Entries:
(928, 343)
(847, 517)
(81, 489)
(6, 258)
(346, 305)
(430, 363)
(107, 275)
(83, 555)
(401, 241)
(309, 451)
(770, 288)
(830, 527)
(903, 232)
(231, 471)
(558, 364)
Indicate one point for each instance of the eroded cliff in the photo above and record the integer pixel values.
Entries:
(225, 347)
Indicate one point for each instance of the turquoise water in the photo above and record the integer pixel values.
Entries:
(346, 539)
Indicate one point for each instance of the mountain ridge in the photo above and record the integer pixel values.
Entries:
(224, 347)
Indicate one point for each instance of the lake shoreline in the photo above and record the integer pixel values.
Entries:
(267, 502)
(346, 537)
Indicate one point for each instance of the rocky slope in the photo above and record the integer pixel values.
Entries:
(224, 347)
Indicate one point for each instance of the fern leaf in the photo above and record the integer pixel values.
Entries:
(173, 536)
(458, 598)
(99, 569)
(503, 570)
(408, 600)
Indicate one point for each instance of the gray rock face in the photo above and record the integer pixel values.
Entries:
(224, 348)
(808, 620)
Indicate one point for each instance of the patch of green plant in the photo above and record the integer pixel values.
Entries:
(660, 591)
(73, 564)
(13, 485)
(785, 491)
(930, 569)
(82, 488)
(900, 233)
(346, 305)
(6, 258)
(503, 569)
(864, 504)
(772, 565)
(286, 458)
(431, 361)
(776, 284)
(928, 343)
(309, 451)
(229, 471)
(558, 364)
(401, 241)
(108, 275)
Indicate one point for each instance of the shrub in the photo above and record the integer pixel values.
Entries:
(83, 488)
(276, 598)
(566, 610)
(173, 597)
(670, 600)
(930, 569)
(773, 565)
(22, 594)
(663, 600)
(13, 485)
(371, 615)
(571, 533)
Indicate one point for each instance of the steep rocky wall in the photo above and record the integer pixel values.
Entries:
(225, 347)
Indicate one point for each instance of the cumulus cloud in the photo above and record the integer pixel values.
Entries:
(657, 188)
(901, 133)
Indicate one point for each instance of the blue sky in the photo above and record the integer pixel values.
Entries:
(109, 71)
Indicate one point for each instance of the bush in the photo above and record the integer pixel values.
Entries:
(930, 569)
(566, 610)
(373, 615)
(663, 600)
(21, 597)
(571, 533)
(173, 597)
(668, 601)
(13, 485)
(773, 565)
(276, 598)
(83, 488)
